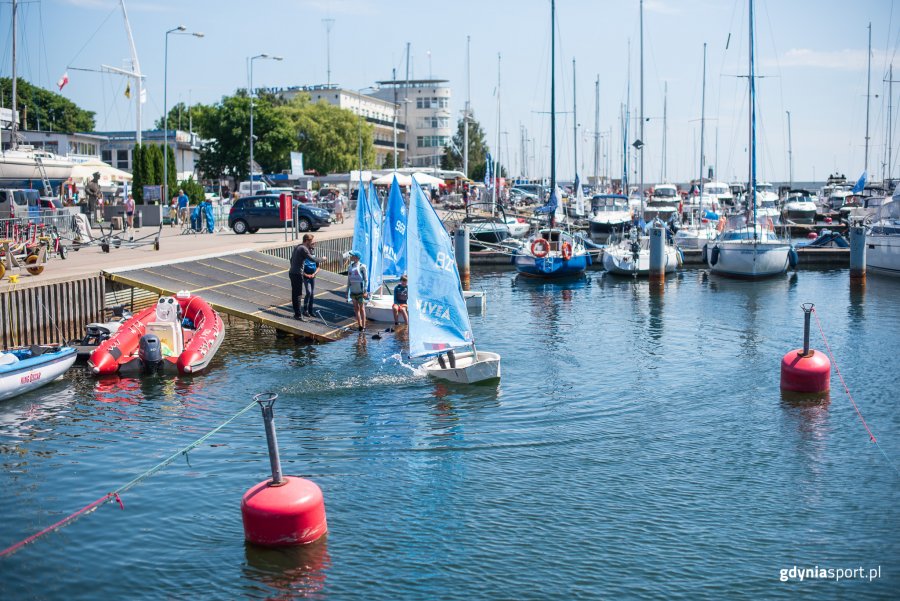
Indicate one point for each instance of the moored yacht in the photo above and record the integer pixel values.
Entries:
(609, 214)
(799, 207)
(883, 239)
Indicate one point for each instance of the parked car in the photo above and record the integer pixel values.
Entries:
(251, 213)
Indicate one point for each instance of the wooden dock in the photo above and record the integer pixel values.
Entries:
(250, 285)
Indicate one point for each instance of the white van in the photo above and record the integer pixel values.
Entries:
(258, 188)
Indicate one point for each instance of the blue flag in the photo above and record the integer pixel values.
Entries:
(438, 318)
(395, 234)
(551, 205)
(488, 171)
(860, 183)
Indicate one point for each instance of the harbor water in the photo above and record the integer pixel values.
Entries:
(637, 446)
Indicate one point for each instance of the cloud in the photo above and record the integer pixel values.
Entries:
(841, 60)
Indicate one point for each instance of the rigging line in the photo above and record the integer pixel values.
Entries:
(93, 35)
(849, 395)
(47, 80)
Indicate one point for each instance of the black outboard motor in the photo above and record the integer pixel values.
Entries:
(150, 352)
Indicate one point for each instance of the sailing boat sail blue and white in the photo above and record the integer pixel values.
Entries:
(439, 321)
(391, 252)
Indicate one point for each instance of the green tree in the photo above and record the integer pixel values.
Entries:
(180, 117)
(46, 110)
(172, 182)
(478, 149)
(137, 172)
(328, 136)
(193, 189)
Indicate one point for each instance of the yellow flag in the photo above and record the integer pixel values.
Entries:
(128, 90)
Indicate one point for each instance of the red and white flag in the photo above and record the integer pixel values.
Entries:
(63, 81)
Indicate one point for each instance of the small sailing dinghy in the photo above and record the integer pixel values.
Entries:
(438, 319)
(25, 369)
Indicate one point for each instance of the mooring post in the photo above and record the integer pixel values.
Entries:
(657, 252)
(857, 254)
(266, 402)
(807, 313)
(461, 246)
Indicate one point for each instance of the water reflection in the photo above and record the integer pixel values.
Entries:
(287, 573)
(809, 410)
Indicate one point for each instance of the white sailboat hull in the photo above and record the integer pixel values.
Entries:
(621, 261)
(380, 306)
(748, 259)
(695, 238)
(883, 253)
(470, 369)
(17, 166)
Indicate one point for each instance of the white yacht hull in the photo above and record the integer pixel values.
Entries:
(17, 168)
(621, 261)
(883, 253)
(469, 368)
(380, 307)
(694, 238)
(748, 259)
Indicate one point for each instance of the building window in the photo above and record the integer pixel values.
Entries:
(122, 159)
(106, 156)
(432, 141)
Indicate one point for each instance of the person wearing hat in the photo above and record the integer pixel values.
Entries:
(357, 287)
(401, 295)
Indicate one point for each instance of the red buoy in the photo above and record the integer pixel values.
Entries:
(805, 373)
(828, 220)
(805, 370)
(812, 235)
(292, 513)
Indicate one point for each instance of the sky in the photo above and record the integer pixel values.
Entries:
(811, 56)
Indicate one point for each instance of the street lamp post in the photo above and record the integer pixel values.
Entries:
(253, 58)
(180, 30)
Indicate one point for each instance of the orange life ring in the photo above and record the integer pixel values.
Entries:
(566, 251)
(540, 248)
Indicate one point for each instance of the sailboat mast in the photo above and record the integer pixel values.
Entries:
(868, 95)
(466, 114)
(494, 184)
(574, 123)
(553, 97)
(752, 122)
(662, 176)
(14, 122)
(702, 132)
(790, 154)
(640, 150)
(138, 77)
(597, 131)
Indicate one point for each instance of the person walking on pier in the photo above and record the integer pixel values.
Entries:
(339, 208)
(129, 214)
(183, 202)
(357, 284)
(304, 267)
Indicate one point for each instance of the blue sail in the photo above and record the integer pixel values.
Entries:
(395, 234)
(375, 258)
(361, 234)
(438, 318)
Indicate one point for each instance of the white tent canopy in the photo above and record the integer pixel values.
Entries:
(406, 180)
(83, 172)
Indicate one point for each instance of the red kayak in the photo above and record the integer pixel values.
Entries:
(179, 333)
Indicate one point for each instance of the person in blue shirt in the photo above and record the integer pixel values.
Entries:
(401, 295)
(183, 202)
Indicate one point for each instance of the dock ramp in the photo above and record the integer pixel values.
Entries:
(251, 285)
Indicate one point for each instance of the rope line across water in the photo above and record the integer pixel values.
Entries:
(114, 495)
(849, 395)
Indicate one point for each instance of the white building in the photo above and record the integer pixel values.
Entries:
(425, 108)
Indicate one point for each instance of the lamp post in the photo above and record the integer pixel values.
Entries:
(180, 30)
(253, 58)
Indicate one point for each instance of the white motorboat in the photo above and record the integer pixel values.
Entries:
(663, 203)
(799, 207)
(766, 192)
(700, 233)
(717, 196)
(23, 370)
(631, 256)
(518, 227)
(609, 214)
(883, 239)
(465, 368)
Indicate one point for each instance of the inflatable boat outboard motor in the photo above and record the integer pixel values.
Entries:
(150, 352)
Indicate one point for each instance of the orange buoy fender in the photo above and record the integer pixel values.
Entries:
(805, 373)
(286, 515)
(540, 248)
(566, 251)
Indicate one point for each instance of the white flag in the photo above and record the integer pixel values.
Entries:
(143, 95)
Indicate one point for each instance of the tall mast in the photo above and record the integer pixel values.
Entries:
(553, 98)
(394, 79)
(662, 176)
(626, 122)
(14, 122)
(574, 123)
(640, 150)
(466, 114)
(752, 122)
(138, 77)
(597, 131)
(406, 108)
(790, 154)
(702, 132)
(868, 96)
(889, 115)
(496, 175)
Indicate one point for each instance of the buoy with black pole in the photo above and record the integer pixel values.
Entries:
(806, 370)
(286, 510)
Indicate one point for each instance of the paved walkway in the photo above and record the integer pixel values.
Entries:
(173, 246)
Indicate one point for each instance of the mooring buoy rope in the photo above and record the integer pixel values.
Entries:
(849, 394)
(115, 495)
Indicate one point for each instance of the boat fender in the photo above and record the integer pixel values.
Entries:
(441, 362)
(566, 251)
(704, 254)
(714, 256)
(793, 258)
(679, 255)
(452, 357)
(540, 248)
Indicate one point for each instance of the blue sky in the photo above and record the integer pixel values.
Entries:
(812, 54)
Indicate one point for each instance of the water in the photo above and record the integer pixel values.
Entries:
(637, 446)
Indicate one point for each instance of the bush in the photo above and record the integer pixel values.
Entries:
(193, 189)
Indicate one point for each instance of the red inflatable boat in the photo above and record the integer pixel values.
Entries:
(179, 333)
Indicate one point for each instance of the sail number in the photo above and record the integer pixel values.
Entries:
(443, 261)
(400, 227)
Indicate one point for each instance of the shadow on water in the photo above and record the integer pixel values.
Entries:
(809, 410)
(289, 572)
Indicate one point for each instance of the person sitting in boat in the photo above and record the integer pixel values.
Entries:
(401, 295)
(357, 286)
